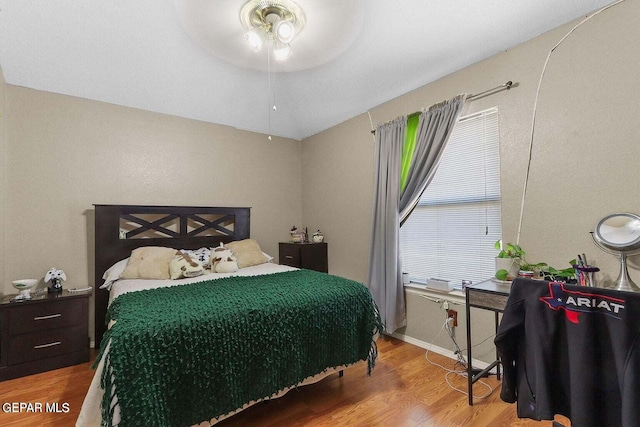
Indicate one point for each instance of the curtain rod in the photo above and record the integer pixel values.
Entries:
(491, 91)
(505, 86)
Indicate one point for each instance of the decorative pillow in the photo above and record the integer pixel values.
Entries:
(183, 266)
(226, 265)
(247, 252)
(113, 273)
(220, 253)
(203, 255)
(149, 262)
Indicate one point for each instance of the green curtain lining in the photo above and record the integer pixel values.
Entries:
(408, 148)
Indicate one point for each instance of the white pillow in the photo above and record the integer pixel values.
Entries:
(113, 273)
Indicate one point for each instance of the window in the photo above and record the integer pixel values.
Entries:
(452, 231)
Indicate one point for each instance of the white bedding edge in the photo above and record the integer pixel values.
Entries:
(91, 414)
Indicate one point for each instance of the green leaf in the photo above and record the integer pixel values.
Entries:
(502, 274)
(539, 265)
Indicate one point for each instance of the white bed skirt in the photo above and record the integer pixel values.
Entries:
(91, 414)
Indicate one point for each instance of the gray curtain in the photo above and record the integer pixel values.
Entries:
(385, 281)
(391, 207)
(434, 130)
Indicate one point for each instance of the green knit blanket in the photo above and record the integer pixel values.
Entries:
(184, 354)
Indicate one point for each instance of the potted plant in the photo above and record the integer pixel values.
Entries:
(508, 260)
(567, 275)
(533, 271)
(511, 262)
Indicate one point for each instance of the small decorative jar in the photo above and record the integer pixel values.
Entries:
(318, 237)
(296, 236)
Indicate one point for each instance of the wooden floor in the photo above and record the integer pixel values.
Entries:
(403, 390)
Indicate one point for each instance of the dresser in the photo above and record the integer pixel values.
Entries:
(312, 256)
(47, 332)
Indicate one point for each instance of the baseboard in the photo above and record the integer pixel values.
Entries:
(436, 349)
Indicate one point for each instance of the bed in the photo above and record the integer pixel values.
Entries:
(194, 351)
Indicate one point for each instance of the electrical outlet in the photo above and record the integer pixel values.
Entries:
(445, 305)
(454, 315)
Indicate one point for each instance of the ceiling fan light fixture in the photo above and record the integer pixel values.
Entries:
(255, 39)
(281, 51)
(275, 20)
(284, 30)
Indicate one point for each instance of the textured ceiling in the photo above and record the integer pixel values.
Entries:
(158, 55)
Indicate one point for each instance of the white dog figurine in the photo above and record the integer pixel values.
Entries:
(56, 277)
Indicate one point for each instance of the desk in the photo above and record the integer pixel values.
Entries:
(487, 295)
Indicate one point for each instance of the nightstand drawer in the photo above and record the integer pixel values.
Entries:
(290, 255)
(40, 317)
(48, 332)
(312, 256)
(43, 344)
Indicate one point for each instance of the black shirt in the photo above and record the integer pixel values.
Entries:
(571, 350)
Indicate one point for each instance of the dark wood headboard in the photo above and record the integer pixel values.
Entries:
(123, 228)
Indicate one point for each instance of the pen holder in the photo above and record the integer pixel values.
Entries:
(584, 274)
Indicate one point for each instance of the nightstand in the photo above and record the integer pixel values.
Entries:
(48, 332)
(312, 256)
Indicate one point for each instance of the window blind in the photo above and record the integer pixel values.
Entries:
(452, 231)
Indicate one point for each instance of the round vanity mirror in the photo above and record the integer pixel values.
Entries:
(619, 234)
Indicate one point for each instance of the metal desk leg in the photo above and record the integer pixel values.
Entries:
(469, 365)
(497, 356)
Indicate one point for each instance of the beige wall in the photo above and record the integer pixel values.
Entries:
(337, 182)
(3, 177)
(65, 154)
(586, 147)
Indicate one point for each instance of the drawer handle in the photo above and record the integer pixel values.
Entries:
(51, 344)
(51, 316)
(288, 257)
